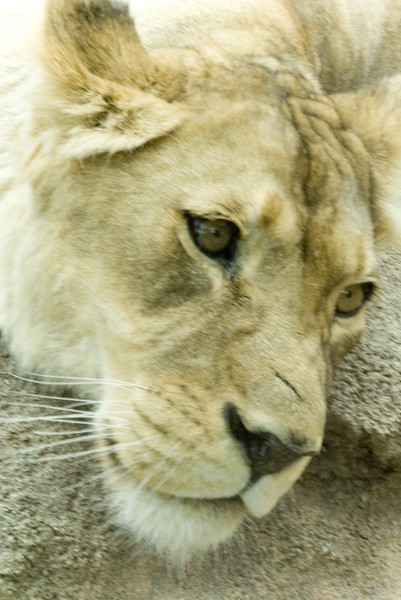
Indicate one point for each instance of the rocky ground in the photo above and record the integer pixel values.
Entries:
(336, 536)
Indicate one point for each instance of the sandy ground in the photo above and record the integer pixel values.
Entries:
(336, 536)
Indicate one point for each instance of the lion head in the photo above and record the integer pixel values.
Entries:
(199, 237)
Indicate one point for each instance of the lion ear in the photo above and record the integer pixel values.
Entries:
(101, 91)
(374, 113)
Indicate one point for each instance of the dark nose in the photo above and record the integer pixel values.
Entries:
(266, 453)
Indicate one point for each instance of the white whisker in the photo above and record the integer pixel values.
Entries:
(53, 418)
(47, 406)
(82, 438)
(124, 467)
(58, 398)
(92, 451)
(106, 472)
(69, 410)
(160, 463)
(57, 380)
(74, 418)
(94, 478)
(71, 432)
(170, 472)
(76, 435)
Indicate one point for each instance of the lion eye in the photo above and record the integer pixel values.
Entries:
(352, 298)
(214, 237)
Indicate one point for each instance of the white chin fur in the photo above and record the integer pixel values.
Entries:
(179, 528)
(261, 498)
(172, 526)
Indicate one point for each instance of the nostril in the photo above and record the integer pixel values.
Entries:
(265, 452)
(258, 449)
(258, 445)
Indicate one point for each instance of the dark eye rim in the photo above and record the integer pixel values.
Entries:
(369, 289)
(227, 255)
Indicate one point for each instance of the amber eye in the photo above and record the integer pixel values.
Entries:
(214, 237)
(352, 298)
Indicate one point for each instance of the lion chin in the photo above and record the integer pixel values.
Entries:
(180, 528)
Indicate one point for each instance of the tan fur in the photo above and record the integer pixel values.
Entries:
(258, 114)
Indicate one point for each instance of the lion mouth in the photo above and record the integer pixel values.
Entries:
(178, 525)
(256, 498)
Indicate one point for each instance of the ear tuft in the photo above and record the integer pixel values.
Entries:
(101, 91)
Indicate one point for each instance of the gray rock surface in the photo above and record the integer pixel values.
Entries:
(336, 536)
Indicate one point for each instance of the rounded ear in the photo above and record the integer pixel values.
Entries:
(374, 113)
(100, 90)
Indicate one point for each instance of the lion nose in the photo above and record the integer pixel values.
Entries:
(265, 452)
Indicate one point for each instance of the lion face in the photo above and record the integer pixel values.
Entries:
(216, 296)
(209, 261)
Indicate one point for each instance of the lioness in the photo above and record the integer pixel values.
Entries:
(191, 196)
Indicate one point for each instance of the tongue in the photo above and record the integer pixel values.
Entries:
(261, 498)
